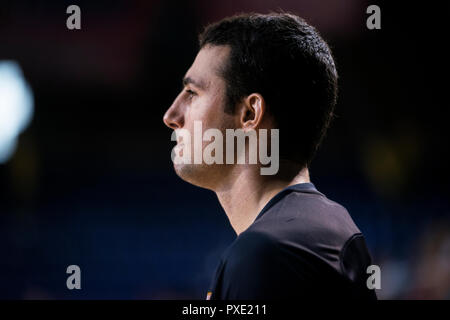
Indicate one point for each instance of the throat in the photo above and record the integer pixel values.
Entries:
(246, 196)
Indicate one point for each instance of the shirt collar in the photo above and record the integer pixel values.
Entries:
(307, 187)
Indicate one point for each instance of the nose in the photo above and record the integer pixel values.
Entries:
(173, 118)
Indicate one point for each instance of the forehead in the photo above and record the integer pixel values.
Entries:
(208, 64)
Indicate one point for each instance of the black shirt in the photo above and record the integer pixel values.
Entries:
(301, 245)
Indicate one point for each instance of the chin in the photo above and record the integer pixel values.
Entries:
(200, 175)
(192, 173)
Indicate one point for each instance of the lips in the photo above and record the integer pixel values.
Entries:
(179, 148)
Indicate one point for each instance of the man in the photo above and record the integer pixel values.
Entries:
(256, 72)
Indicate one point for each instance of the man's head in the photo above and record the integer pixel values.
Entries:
(260, 71)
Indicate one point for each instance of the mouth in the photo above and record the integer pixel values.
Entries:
(179, 147)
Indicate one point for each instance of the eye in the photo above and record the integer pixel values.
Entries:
(190, 92)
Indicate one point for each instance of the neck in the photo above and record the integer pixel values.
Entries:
(247, 192)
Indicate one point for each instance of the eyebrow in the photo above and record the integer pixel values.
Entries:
(198, 83)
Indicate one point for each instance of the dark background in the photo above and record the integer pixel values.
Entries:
(91, 182)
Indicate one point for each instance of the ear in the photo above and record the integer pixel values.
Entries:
(252, 111)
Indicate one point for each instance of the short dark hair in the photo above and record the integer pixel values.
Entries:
(282, 57)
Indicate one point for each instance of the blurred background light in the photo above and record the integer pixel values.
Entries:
(16, 107)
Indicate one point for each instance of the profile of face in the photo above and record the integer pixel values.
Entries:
(202, 99)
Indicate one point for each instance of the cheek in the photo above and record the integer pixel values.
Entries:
(209, 110)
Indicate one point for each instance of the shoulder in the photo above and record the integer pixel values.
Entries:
(308, 219)
(318, 211)
(310, 227)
